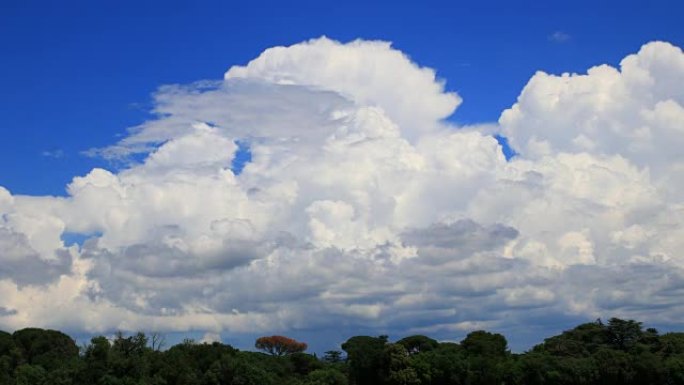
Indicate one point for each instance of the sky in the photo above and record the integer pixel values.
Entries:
(329, 169)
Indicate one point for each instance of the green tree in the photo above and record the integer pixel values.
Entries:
(326, 376)
(9, 355)
(482, 343)
(30, 375)
(50, 349)
(332, 356)
(303, 363)
(364, 356)
(417, 344)
(580, 341)
(486, 353)
(396, 366)
(671, 344)
(673, 368)
(445, 365)
(246, 369)
(129, 358)
(623, 334)
(614, 366)
(96, 360)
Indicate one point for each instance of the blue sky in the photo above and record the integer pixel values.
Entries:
(332, 175)
(76, 74)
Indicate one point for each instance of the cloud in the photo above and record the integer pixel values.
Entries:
(559, 37)
(361, 71)
(634, 111)
(443, 243)
(24, 265)
(57, 154)
(361, 208)
(210, 338)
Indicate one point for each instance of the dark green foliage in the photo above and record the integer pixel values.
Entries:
(6, 343)
(418, 344)
(672, 343)
(246, 369)
(623, 334)
(580, 341)
(96, 358)
(332, 356)
(444, 365)
(485, 344)
(30, 375)
(127, 357)
(617, 352)
(673, 368)
(327, 376)
(486, 355)
(364, 356)
(303, 364)
(595, 353)
(48, 348)
(395, 367)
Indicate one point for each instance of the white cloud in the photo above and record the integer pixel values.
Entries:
(364, 72)
(635, 111)
(361, 207)
(210, 337)
(58, 153)
(559, 37)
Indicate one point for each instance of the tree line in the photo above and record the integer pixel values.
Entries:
(616, 352)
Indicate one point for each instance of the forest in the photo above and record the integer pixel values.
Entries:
(614, 352)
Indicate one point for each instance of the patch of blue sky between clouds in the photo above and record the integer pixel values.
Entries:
(506, 148)
(72, 238)
(243, 155)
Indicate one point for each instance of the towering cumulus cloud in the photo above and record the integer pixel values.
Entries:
(359, 205)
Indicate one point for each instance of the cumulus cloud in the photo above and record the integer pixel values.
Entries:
(634, 111)
(362, 207)
(363, 72)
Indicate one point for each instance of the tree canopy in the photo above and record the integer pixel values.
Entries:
(619, 352)
(279, 345)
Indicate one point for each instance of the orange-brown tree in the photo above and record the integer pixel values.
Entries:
(279, 345)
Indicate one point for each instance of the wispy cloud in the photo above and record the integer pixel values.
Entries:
(58, 153)
(559, 37)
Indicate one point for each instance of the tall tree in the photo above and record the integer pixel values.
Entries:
(364, 356)
(623, 334)
(486, 353)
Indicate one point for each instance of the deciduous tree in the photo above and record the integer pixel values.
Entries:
(279, 345)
